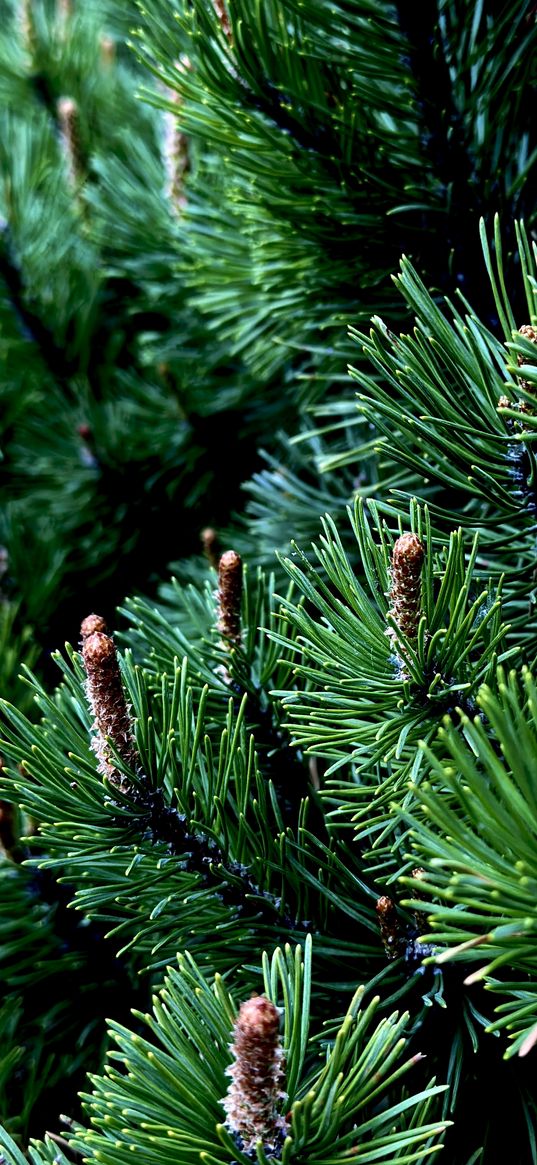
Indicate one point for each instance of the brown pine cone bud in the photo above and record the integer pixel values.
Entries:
(256, 1075)
(69, 123)
(390, 932)
(108, 50)
(174, 149)
(223, 17)
(91, 624)
(229, 598)
(209, 541)
(407, 562)
(176, 161)
(26, 23)
(529, 333)
(107, 701)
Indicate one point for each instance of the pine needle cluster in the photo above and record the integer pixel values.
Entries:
(276, 821)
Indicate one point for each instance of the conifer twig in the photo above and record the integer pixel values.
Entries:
(229, 879)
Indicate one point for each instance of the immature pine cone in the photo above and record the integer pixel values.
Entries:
(69, 122)
(407, 561)
(390, 932)
(175, 153)
(91, 624)
(229, 598)
(107, 702)
(257, 1076)
(223, 17)
(529, 333)
(209, 542)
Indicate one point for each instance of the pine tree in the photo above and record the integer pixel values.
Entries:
(292, 796)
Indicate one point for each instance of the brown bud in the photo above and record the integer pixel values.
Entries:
(251, 1103)
(69, 123)
(91, 624)
(107, 701)
(176, 158)
(223, 17)
(26, 23)
(209, 541)
(529, 333)
(389, 926)
(229, 598)
(407, 562)
(108, 50)
(521, 406)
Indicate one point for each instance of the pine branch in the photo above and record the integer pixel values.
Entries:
(229, 880)
(161, 822)
(58, 365)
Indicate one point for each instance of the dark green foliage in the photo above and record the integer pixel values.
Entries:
(48, 959)
(182, 279)
(473, 833)
(365, 688)
(336, 1083)
(109, 375)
